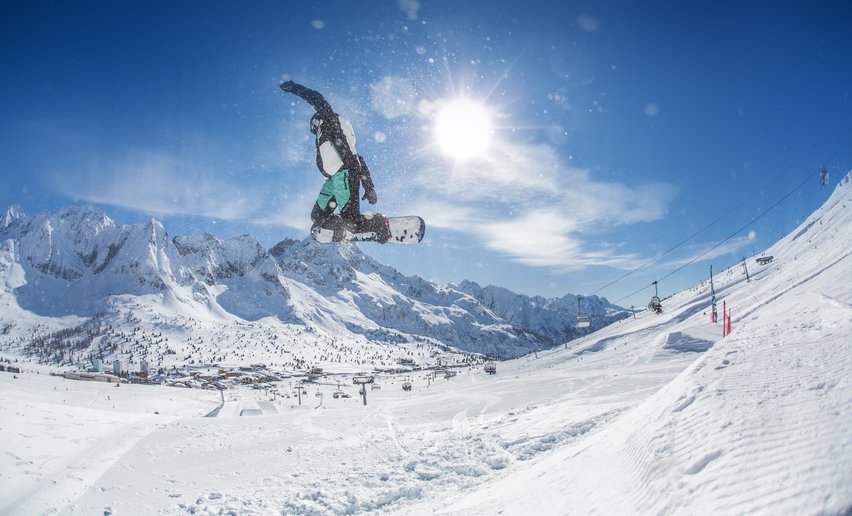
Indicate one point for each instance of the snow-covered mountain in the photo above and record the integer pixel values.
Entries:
(77, 262)
(553, 318)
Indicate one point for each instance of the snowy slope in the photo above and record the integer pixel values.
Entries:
(657, 414)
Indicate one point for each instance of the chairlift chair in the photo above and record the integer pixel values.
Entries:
(655, 304)
(583, 319)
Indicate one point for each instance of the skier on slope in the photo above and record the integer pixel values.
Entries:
(344, 171)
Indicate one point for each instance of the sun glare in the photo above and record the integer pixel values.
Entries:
(463, 129)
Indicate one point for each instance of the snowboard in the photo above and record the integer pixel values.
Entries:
(403, 230)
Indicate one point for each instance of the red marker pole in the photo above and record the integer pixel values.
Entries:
(729, 323)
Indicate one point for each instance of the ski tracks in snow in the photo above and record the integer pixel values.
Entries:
(405, 462)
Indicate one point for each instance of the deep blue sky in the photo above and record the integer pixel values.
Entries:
(620, 129)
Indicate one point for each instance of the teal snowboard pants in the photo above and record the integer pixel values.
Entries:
(339, 191)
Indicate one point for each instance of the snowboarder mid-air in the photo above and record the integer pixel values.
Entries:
(344, 171)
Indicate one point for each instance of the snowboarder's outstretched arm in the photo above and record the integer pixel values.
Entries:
(314, 98)
(334, 150)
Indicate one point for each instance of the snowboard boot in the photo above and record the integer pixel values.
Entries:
(378, 224)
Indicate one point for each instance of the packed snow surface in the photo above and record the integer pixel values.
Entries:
(657, 414)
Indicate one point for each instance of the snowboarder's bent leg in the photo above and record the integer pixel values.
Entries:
(334, 194)
(351, 209)
(337, 193)
(351, 213)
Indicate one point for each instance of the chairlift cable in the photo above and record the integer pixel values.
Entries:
(746, 225)
(735, 233)
(652, 260)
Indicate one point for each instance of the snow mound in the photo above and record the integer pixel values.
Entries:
(679, 341)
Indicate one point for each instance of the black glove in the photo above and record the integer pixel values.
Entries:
(370, 196)
(288, 86)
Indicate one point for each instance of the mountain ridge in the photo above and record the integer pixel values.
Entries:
(74, 260)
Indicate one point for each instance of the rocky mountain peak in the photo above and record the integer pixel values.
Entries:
(75, 259)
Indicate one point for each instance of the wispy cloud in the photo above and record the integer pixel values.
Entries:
(524, 203)
(540, 237)
(712, 250)
(290, 210)
(159, 183)
(267, 184)
(155, 182)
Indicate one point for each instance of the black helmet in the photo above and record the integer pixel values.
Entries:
(316, 122)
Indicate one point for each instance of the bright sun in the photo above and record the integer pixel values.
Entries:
(463, 129)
